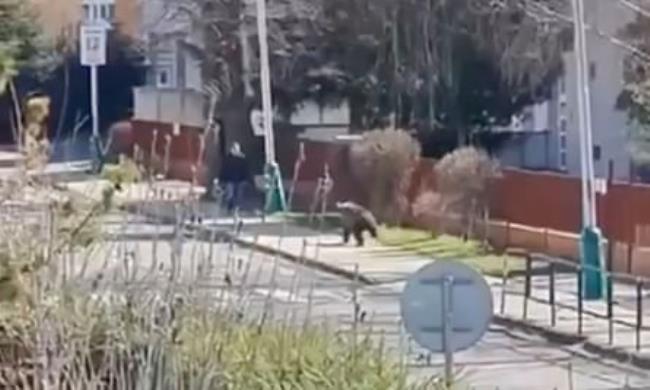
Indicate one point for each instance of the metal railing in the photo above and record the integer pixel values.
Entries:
(555, 267)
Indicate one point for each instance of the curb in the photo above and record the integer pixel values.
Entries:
(203, 230)
(619, 354)
(554, 336)
(551, 335)
(301, 260)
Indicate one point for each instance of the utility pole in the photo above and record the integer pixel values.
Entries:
(265, 82)
(275, 199)
(591, 249)
(584, 116)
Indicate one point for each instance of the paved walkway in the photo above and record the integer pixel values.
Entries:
(383, 265)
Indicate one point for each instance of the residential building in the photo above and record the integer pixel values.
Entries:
(318, 122)
(62, 17)
(559, 148)
(530, 142)
(174, 90)
(610, 126)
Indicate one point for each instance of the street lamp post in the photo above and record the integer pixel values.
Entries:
(591, 239)
(275, 199)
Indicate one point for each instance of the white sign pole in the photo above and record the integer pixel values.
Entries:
(93, 55)
(265, 75)
(94, 100)
(447, 328)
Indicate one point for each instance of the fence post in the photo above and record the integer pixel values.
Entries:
(504, 282)
(551, 292)
(639, 312)
(527, 283)
(630, 256)
(610, 308)
(580, 298)
(545, 240)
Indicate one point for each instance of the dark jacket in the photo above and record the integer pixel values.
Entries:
(234, 169)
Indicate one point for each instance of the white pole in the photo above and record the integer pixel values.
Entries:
(94, 104)
(591, 182)
(584, 117)
(265, 74)
(447, 328)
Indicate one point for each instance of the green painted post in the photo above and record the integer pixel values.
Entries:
(591, 257)
(275, 199)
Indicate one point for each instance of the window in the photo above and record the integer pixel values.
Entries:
(562, 85)
(164, 77)
(563, 160)
(597, 153)
(107, 11)
(592, 71)
(86, 10)
(563, 141)
(563, 125)
(95, 12)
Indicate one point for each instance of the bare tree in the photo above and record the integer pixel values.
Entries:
(379, 164)
(463, 179)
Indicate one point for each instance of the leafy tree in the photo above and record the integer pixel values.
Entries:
(18, 30)
(20, 33)
(380, 162)
(8, 69)
(463, 65)
(635, 97)
(21, 48)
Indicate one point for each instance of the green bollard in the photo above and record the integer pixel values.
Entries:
(275, 199)
(591, 258)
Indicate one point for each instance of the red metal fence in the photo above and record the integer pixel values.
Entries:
(543, 200)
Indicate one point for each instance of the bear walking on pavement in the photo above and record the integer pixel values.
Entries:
(356, 220)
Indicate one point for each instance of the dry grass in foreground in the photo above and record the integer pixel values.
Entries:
(65, 327)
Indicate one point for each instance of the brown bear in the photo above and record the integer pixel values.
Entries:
(356, 219)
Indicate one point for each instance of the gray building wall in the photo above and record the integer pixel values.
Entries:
(561, 145)
(163, 26)
(529, 150)
(609, 125)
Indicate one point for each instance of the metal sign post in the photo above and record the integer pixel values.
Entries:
(93, 55)
(461, 303)
(447, 325)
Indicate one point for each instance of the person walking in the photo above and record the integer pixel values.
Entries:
(234, 174)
